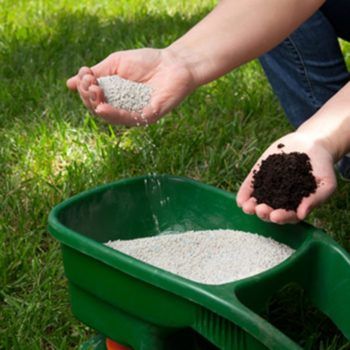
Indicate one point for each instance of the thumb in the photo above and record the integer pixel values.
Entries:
(108, 66)
(323, 192)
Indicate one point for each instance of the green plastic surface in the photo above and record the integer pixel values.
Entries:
(144, 307)
(98, 342)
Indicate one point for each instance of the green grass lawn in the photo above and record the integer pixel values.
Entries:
(51, 148)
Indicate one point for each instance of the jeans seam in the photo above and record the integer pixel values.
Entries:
(303, 70)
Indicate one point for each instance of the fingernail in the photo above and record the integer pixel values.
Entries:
(85, 84)
(93, 96)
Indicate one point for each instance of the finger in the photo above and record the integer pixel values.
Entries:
(245, 191)
(323, 192)
(263, 211)
(83, 71)
(83, 88)
(96, 96)
(118, 116)
(108, 66)
(73, 82)
(86, 82)
(282, 216)
(249, 206)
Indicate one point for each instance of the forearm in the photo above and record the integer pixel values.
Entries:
(237, 31)
(331, 124)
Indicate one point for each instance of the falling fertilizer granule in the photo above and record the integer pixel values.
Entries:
(125, 94)
(210, 257)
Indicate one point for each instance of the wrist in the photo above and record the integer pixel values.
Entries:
(331, 124)
(319, 139)
(197, 64)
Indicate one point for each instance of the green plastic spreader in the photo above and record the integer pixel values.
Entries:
(144, 307)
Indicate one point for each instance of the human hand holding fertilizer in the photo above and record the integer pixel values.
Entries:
(234, 33)
(147, 84)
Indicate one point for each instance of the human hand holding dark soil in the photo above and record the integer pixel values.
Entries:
(321, 161)
(170, 78)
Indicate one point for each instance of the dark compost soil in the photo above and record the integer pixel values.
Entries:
(283, 180)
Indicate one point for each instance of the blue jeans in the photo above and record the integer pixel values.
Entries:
(307, 69)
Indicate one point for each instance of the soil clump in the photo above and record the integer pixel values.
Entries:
(283, 180)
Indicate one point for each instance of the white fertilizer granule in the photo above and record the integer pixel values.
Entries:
(125, 94)
(211, 257)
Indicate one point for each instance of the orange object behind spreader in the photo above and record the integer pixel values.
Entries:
(112, 345)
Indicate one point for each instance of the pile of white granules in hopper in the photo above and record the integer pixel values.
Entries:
(125, 94)
(210, 257)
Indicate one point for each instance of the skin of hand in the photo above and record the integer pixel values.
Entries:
(321, 160)
(169, 76)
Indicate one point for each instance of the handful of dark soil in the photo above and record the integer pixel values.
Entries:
(283, 180)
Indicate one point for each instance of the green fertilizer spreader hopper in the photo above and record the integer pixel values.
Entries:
(144, 307)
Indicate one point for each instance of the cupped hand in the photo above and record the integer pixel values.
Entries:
(169, 77)
(322, 164)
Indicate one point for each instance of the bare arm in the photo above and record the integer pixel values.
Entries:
(331, 124)
(237, 31)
